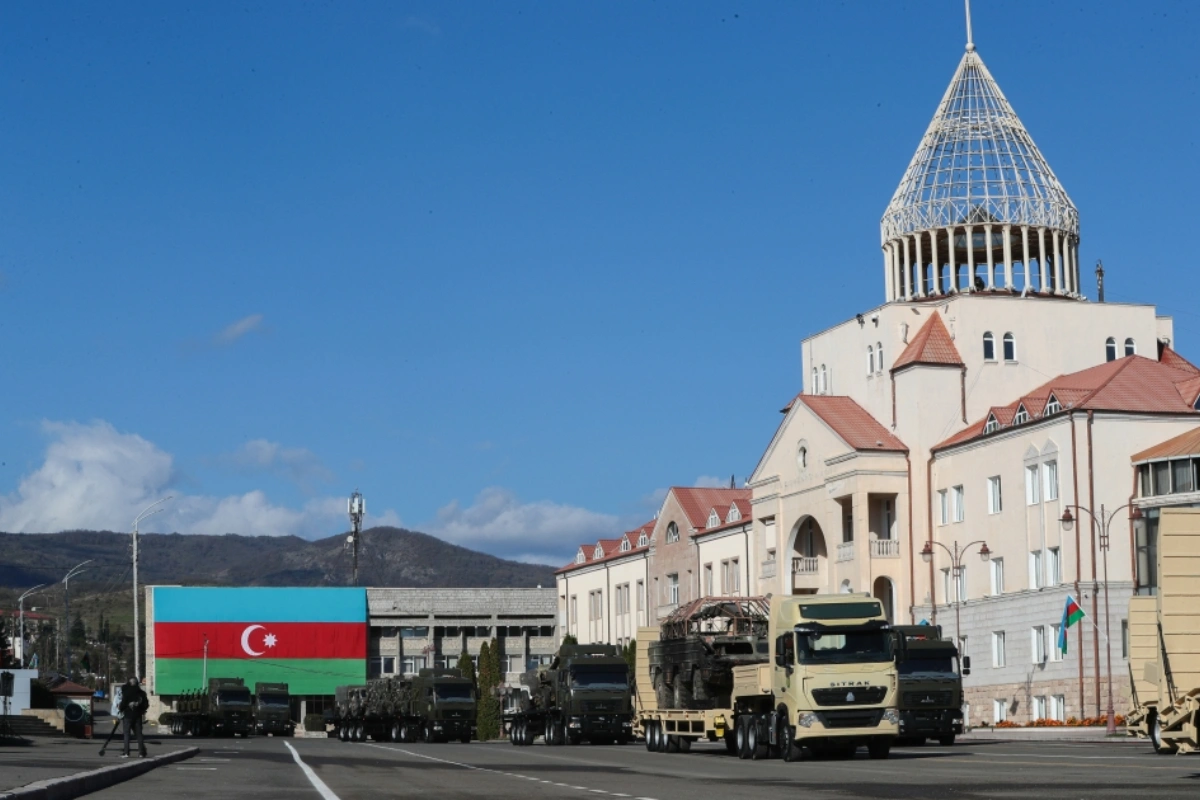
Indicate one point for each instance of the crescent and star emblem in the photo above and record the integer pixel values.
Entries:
(269, 640)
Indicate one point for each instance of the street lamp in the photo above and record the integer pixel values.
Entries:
(137, 635)
(1103, 521)
(75, 570)
(956, 557)
(21, 606)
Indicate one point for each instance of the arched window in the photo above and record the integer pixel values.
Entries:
(879, 355)
(1010, 348)
(625, 548)
(870, 360)
(824, 380)
(714, 519)
(989, 347)
(1110, 349)
(643, 540)
(815, 388)
(802, 457)
(734, 514)
(580, 557)
(672, 533)
(1130, 347)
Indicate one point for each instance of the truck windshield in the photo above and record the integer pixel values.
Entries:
(915, 664)
(452, 691)
(273, 700)
(842, 647)
(234, 698)
(606, 678)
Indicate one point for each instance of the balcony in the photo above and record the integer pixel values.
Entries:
(845, 552)
(806, 572)
(805, 565)
(885, 548)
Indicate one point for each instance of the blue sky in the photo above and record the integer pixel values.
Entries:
(510, 269)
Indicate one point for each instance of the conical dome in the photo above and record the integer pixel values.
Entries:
(978, 194)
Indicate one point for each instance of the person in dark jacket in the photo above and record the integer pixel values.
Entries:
(133, 707)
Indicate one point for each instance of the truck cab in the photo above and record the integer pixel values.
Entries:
(930, 696)
(446, 702)
(272, 709)
(229, 707)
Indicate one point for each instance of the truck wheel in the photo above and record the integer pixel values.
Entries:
(788, 750)
(743, 750)
(755, 743)
(946, 741)
(649, 729)
(879, 748)
(1163, 748)
(341, 733)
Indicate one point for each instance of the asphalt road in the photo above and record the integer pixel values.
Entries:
(264, 769)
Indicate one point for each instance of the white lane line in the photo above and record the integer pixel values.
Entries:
(485, 769)
(1069, 758)
(210, 769)
(318, 784)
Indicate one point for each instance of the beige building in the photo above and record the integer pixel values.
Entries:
(602, 595)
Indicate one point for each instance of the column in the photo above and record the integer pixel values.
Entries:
(952, 259)
(907, 256)
(1074, 265)
(1008, 270)
(889, 272)
(934, 263)
(1025, 256)
(987, 236)
(920, 255)
(1058, 265)
(970, 258)
(1043, 272)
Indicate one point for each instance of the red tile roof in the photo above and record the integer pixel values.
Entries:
(1185, 444)
(697, 501)
(1172, 359)
(1132, 384)
(852, 423)
(932, 345)
(611, 548)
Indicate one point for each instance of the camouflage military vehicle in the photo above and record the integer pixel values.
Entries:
(584, 693)
(930, 696)
(223, 709)
(272, 709)
(436, 705)
(350, 708)
(691, 666)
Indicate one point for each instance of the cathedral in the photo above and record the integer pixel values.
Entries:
(961, 452)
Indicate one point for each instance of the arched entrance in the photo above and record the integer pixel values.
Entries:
(807, 556)
(884, 591)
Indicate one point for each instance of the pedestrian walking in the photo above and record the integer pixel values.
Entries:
(133, 707)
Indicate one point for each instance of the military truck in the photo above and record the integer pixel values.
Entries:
(223, 709)
(827, 684)
(930, 685)
(583, 694)
(1164, 662)
(436, 705)
(273, 709)
(700, 643)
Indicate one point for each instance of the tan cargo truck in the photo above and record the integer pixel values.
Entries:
(1164, 638)
(827, 684)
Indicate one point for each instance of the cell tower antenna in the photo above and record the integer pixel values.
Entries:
(970, 38)
(357, 507)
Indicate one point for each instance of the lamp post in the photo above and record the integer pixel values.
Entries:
(75, 570)
(956, 557)
(1104, 521)
(21, 612)
(137, 635)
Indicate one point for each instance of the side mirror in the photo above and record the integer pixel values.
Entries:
(788, 670)
(966, 665)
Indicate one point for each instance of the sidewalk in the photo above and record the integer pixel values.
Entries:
(44, 759)
(1055, 734)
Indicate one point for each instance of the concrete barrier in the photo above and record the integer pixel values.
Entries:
(81, 783)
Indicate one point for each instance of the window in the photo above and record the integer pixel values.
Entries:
(1035, 569)
(625, 546)
(708, 580)
(580, 557)
(991, 426)
(1162, 477)
(989, 347)
(999, 710)
(1039, 708)
(595, 605)
(994, 499)
(962, 583)
(956, 494)
(597, 553)
(1130, 347)
(1052, 406)
(998, 659)
(673, 588)
(824, 380)
(870, 360)
(515, 664)
(641, 595)
(1054, 566)
(734, 513)
(574, 609)
(643, 540)
(1124, 638)
(1033, 485)
(411, 665)
(1058, 707)
(816, 387)
(672, 533)
(1181, 476)
(879, 356)
(383, 665)
(944, 505)
(997, 576)
(1110, 349)
(1010, 348)
(1037, 643)
(1055, 650)
(802, 456)
(1021, 417)
(947, 587)
(1050, 471)
(714, 519)
(414, 633)
(731, 576)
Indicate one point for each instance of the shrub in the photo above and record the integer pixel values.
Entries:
(1006, 724)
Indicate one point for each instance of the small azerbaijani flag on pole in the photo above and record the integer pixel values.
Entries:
(1072, 613)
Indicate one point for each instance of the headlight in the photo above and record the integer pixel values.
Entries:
(806, 719)
(891, 716)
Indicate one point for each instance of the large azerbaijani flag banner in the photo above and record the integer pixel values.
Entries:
(312, 639)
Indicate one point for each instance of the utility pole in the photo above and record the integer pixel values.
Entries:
(137, 634)
(21, 605)
(204, 673)
(357, 508)
(75, 570)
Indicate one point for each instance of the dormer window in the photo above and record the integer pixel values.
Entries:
(991, 426)
(672, 533)
(734, 515)
(1052, 406)
(1021, 417)
(643, 540)
(625, 547)
(580, 557)
(598, 553)
(714, 519)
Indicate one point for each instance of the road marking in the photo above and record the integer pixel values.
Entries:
(1080, 758)
(485, 769)
(318, 784)
(211, 769)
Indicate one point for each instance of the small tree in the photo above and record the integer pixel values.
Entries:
(486, 718)
(466, 666)
(630, 654)
(570, 639)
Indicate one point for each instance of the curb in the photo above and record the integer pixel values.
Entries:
(81, 783)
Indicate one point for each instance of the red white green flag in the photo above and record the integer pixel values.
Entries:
(1072, 613)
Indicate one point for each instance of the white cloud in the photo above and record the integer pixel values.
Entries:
(497, 522)
(98, 478)
(299, 465)
(711, 482)
(231, 333)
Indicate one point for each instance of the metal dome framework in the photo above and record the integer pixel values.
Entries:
(979, 208)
